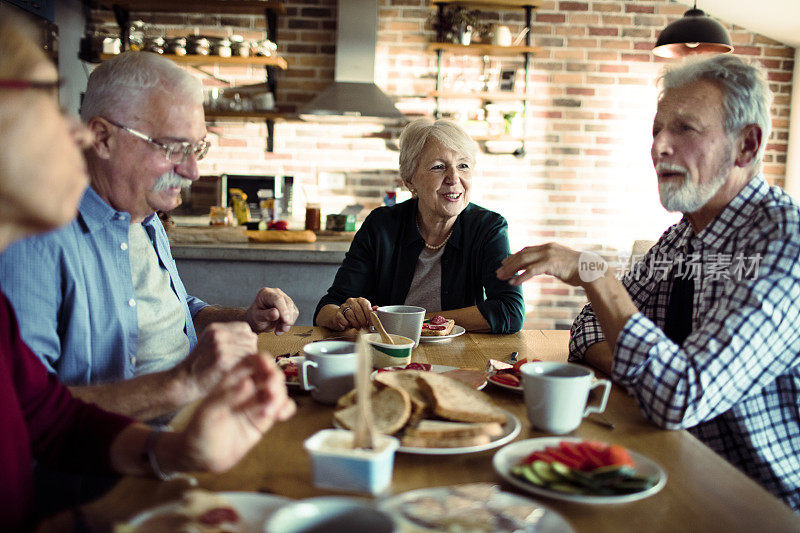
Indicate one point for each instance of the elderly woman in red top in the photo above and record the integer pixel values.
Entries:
(42, 177)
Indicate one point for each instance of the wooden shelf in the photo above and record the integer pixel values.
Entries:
(490, 4)
(272, 61)
(482, 49)
(505, 96)
(229, 7)
(216, 114)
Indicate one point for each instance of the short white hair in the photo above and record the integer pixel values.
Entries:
(417, 133)
(121, 85)
(747, 98)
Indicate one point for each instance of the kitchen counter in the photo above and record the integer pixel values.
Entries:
(231, 274)
(315, 252)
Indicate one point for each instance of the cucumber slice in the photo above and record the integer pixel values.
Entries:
(631, 484)
(529, 475)
(545, 472)
(612, 471)
(568, 488)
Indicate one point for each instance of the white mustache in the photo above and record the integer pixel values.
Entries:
(169, 180)
(671, 167)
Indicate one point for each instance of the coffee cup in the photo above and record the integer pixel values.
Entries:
(328, 369)
(403, 320)
(556, 395)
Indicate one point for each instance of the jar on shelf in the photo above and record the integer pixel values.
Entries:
(176, 46)
(221, 216)
(221, 48)
(313, 217)
(155, 45)
(239, 47)
(196, 45)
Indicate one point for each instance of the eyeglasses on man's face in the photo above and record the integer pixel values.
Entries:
(50, 86)
(177, 152)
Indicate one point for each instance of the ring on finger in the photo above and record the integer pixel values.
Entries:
(345, 309)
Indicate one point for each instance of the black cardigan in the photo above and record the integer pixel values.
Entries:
(382, 258)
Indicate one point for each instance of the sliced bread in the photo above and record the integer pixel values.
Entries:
(455, 400)
(416, 441)
(444, 428)
(407, 380)
(391, 408)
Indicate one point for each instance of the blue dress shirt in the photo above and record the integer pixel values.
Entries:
(73, 293)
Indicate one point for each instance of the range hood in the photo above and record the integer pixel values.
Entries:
(353, 93)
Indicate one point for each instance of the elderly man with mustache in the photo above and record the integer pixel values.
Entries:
(100, 301)
(712, 345)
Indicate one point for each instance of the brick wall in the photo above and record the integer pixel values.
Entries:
(586, 179)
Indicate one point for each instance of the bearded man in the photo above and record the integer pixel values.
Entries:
(712, 345)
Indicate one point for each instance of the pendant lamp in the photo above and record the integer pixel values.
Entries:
(694, 33)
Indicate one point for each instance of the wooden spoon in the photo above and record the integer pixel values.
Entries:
(379, 327)
(364, 430)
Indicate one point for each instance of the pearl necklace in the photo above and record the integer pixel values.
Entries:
(438, 246)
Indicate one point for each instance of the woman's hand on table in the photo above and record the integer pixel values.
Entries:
(237, 413)
(353, 313)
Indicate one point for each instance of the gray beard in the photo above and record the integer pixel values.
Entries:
(170, 179)
(689, 196)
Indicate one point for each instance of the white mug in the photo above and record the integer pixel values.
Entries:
(328, 369)
(556, 395)
(403, 320)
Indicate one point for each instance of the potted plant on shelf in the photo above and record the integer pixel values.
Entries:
(457, 24)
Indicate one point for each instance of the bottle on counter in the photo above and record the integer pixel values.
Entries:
(266, 204)
(239, 200)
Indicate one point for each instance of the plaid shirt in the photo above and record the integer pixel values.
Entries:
(735, 381)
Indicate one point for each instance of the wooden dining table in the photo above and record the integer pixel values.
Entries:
(703, 492)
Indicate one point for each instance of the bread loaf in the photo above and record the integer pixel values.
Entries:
(281, 236)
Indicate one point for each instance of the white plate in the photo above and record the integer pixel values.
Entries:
(541, 519)
(503, 385)
(512, 454)
(510, 430)
(253, 508)
(455, 332)
(434, 368)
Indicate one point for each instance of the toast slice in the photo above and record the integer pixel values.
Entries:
(407, 380)
(416, 441)
(445, 429)
(437, 326)
(455, 400)
(391, 408)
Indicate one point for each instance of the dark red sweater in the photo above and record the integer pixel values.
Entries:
(40, 418)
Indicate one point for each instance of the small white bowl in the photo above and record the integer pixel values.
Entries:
(337, 465)
(385, 355)
(329, 514)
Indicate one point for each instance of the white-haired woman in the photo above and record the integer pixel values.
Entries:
(436, 251)
(42, 178)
